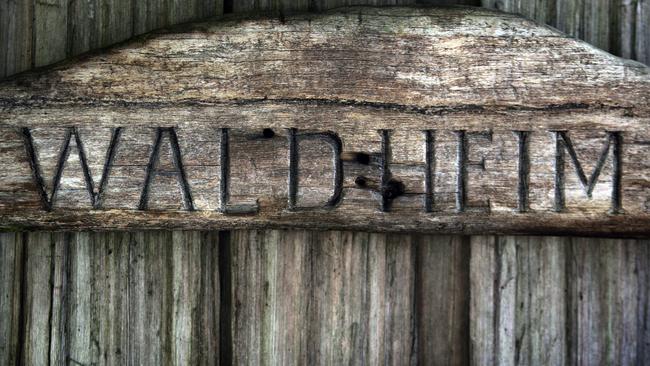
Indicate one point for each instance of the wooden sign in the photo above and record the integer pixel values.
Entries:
(450, 120)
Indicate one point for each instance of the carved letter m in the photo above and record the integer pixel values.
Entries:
(563, 143)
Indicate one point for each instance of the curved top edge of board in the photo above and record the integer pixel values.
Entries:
(419, 58)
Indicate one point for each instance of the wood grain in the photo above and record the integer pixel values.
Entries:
(620, 27)
(265, 296)
(558, 301)
(16, 43)
(418, 146)
(442, 289)
(347, 298)
(11, 272)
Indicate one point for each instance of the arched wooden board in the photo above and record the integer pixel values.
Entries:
(452, 120)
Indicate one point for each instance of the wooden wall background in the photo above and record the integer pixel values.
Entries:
(35, 33)
(332, 298)
(303, 297)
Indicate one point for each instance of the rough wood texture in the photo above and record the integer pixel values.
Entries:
(11, 255)
(539, 301)
(324, 298)
(109, 299)
(43, 32)
(412, 123)
(618, 26)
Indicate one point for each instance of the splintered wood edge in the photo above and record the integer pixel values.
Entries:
(436, 120)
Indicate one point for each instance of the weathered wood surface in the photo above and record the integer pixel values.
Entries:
(76, 26)
(620, 27)
(301, 297)
(559, 301)
(437, 120)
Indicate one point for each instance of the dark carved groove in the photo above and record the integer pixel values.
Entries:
(523, 168)
(430, 161)
(177, 160)
(224, 158)
(336, 144)
(563, 142)
(463, 163)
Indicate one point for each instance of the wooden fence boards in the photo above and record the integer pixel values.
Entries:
(608, 317)
(16, 32)
(559, 301)
(11, 257)
(620, 27)
(50, 31)
(442, 293)
(322, 298)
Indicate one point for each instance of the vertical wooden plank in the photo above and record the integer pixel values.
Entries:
(16, 48)
(11, 271)
(195, 305)
(89, 312)
(180, 11)
(642, 31)
(505, 300)
(270, 282)
(37, 299)
(642, 265)
(605, 295)
(392, 299)
(206, 317)
(149, 15)
(110, 296)
(173, 298)
(116, 21)
(338, 319)
(482, 308)
(81, 284)
(50, 31)
(442, 300)
(540, 318)
(137, 297)
(625, 28)
(517, 295)
(83, 26)
(150, 276)
(59, 314)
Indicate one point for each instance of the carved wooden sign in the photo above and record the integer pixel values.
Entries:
(450, 120)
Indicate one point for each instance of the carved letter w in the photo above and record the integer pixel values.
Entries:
(95, 196)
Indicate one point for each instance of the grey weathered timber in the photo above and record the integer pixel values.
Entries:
(442, 293)
(324, 298)
(16, 43)
(11, 255)
(108, 299)
(226, 125)
(412, 150)
(539, 301)
(302, 297)
(620, 27)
